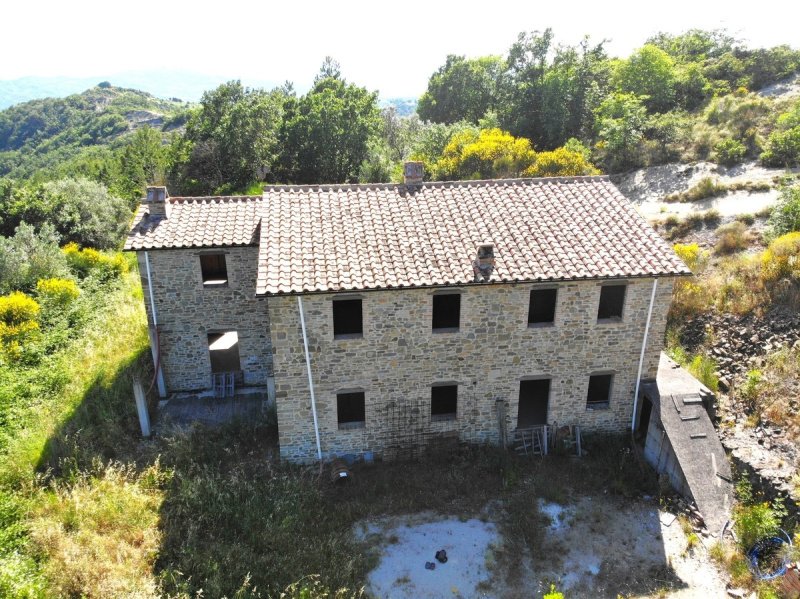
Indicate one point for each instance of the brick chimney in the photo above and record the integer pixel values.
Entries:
(483, 265)
(413, 173)
(157, 202)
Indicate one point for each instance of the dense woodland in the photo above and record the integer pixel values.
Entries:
(86, 510)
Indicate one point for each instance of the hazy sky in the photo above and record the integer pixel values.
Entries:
(391, 47)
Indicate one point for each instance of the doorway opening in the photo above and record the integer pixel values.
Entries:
(534, 397)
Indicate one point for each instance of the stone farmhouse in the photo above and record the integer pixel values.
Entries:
(385, 317)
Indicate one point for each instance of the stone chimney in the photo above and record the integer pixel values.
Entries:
(413, 173)
(157, 202)
(483, 265)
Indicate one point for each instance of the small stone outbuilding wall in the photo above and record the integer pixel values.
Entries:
(187, 312)
(399, 357)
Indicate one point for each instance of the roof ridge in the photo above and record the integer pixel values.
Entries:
(185, 199)
(461, 183)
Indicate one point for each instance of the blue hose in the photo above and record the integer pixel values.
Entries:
(762, 548)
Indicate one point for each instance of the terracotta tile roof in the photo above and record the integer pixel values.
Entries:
(197, 222)
(358, 237)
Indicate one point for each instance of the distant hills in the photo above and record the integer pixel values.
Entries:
(171, 85)
(184, 85)
(51, 133)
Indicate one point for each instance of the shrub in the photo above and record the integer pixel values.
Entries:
(88, 261)
(561, 162)
(18, 323)
(28, 256)
(553, 593)
(783, 148)
(749, 389)
(704, 370)
(711, 217)
(785, 215)
(704, 188)
(782, 258)
(690, 253)
(731, 238)
(747, 219)
(756, 521)
(57, 292)
(729, 152)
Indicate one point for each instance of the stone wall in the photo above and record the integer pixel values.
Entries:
(187, 311)
(399, 358)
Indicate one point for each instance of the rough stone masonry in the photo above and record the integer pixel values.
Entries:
(399, 358)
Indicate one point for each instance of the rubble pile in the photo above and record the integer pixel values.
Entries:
(740, 343)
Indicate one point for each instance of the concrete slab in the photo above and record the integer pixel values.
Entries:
(689, 449)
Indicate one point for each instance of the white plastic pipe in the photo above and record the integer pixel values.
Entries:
(310, 381)
(154, 342)
(150, 289)
(641, 356)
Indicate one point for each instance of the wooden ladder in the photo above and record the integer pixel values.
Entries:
(530, 441)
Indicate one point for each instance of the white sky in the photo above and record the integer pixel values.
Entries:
(392, 47)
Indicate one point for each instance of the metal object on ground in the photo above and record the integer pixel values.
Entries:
(339, 471)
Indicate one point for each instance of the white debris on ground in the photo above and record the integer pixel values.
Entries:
(647, 188)
(407, 546)
(592, 547)
(601, 549)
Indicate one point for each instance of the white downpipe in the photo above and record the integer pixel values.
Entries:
(641, 355)
(154, 343)
(150, 289)
(310, 381)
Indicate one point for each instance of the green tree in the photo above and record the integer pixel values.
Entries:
(85, 212)
(649, 73)
(143, 161)
(325, 136)
(233, 138)
(550, 101)
(461, 90)
(621, 119)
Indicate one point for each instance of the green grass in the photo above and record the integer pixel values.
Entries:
(88, 509)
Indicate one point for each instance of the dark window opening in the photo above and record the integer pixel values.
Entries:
(347, 318)
(350, 411)
(599, 393)
(214, 270)
(444, 402)
(542, 306)
(612, 298)
(533, 400)
(223, 348)
(446, 311)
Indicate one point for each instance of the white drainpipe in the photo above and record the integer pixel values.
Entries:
(162, 388)
(641, 356)
(310, 381)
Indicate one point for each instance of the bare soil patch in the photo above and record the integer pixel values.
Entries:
(592, 546)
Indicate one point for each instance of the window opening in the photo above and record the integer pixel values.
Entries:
(612, 299)
(446, 311)
(599, 394)
(350, 410)
(347, 318)
(214, 270)
(542, 306)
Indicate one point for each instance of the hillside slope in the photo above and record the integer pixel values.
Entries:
(43, 133)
